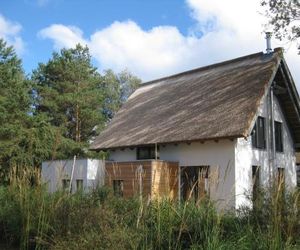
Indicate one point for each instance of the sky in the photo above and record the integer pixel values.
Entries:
(150, 38)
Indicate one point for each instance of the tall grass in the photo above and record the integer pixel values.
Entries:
(31, 218)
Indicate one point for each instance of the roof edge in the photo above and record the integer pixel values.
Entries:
(231, 137)
(253, 117)
(276, 50)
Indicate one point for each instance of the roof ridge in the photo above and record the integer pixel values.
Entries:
(276, 50)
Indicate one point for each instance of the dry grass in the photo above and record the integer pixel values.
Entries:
(30, 218)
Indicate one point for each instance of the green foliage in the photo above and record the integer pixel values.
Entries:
(117, 89)
(31, 218)
(69, 95)
(59, 111)
(284, 17)
(25, 140)
(77, 100)
(14, 103)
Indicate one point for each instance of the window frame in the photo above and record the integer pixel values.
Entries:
(118, 188)
(77, 182)
(278, 136)
(255, 182)
(150, 154)
(258, 136)
(195, 182)
(65, 184)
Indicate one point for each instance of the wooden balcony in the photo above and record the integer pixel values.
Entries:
(155, 179)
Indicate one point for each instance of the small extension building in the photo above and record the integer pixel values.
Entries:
(217, 131)
(70, 175)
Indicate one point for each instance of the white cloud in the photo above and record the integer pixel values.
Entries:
(243, 22)
(9, 31)
(63, 36)
(153, 53)
(229, 29)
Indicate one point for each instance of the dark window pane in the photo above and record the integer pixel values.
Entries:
(258, 134)
(79, 184)
(65, 184)
(254, 136)
(261, 132)
(143, 153)
(152, 152)
(278, 137)
(118, 186)
(194, 182)
(255, 182)
(146, 153)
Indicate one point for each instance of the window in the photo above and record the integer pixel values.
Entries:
(255, 182)
(278, 137)
(118, 186)
(79, 184)
(65, 184)
(258, 134)
(145, 153)
(194, 182)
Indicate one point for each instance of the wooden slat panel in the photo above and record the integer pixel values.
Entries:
(159, 178)
(164, 180)
(128, 172)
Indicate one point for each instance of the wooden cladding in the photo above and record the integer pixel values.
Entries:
(164, 179)
(155, 179)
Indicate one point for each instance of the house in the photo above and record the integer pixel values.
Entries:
(84, 174)
(218, 131)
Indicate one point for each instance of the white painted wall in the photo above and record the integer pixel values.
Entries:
(89, 170)
(126, 154)
(246, 156)
(218, 155)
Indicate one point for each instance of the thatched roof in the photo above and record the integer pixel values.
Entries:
(213, 102)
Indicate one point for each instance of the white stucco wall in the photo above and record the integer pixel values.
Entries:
(218, 155)
(126, 154)
(246, 156)
(88, 170)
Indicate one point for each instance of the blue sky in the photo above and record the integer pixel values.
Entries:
(150, 38)
(89, 16)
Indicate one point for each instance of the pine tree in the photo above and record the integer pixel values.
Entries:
(14, 105)
(69, 93)
(25, 140)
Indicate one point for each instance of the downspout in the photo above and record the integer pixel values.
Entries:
(273, 154)
(72, 175)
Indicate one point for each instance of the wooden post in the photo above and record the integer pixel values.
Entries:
(140, 172)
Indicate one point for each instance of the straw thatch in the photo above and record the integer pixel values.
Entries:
(213, 102)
